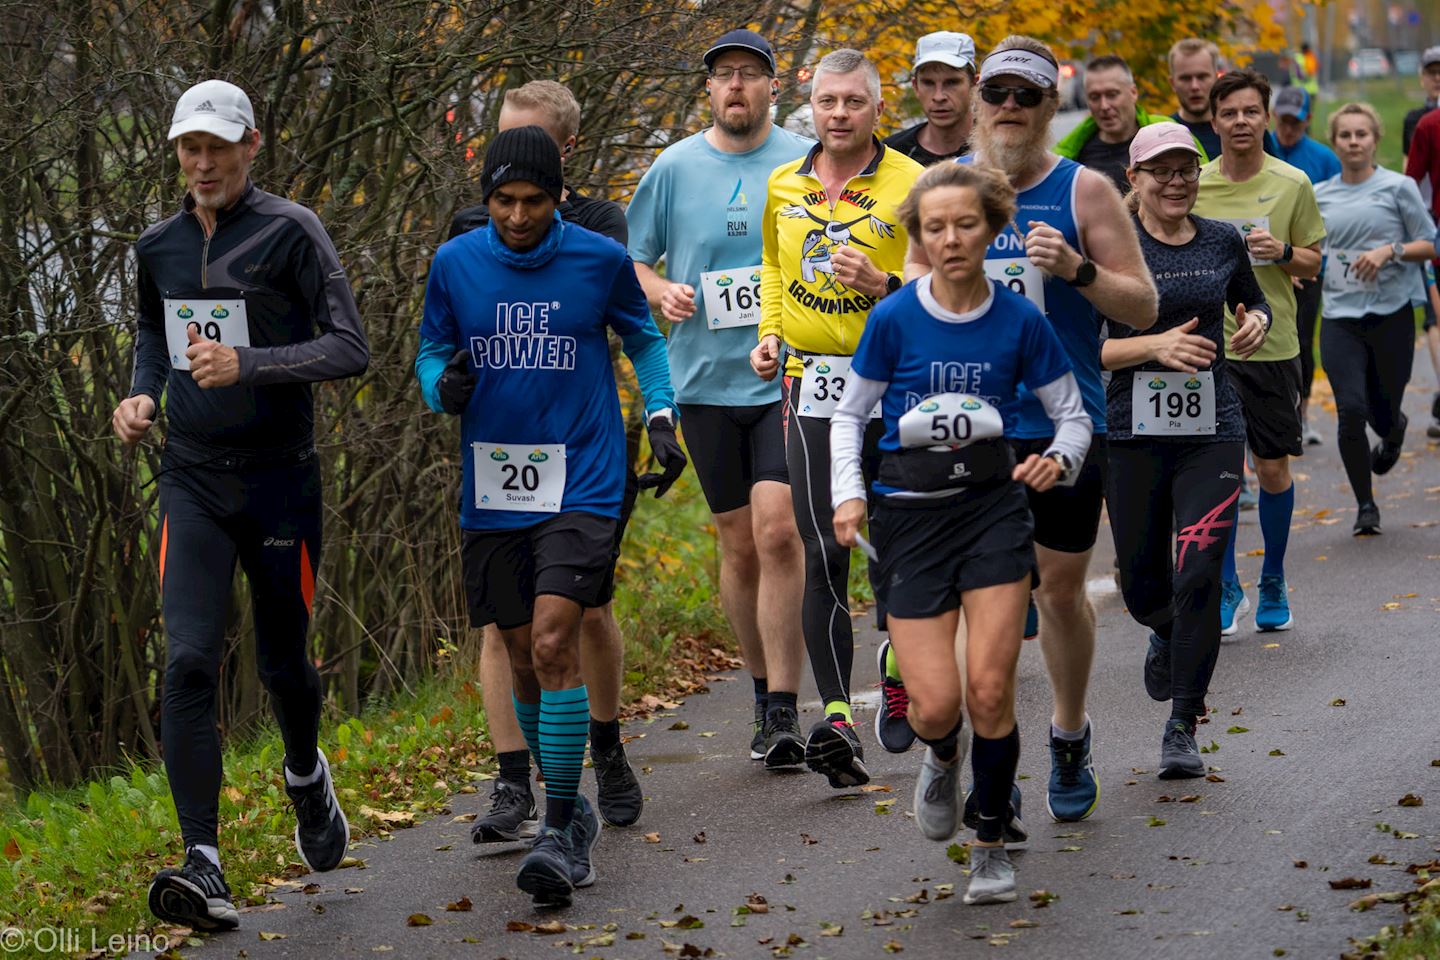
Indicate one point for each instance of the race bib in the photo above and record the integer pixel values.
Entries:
(1171, 403)
(220, 320)
(732, 297)
(1340, 273)
(950, 420)
(1245, 225)
(518, 476)
(1021, 276)
(823, 384)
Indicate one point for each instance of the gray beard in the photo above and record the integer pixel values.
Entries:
(1016, 158)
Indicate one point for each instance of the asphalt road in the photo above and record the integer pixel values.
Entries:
(1240, 872)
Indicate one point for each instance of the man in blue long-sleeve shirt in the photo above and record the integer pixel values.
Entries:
(514, 341)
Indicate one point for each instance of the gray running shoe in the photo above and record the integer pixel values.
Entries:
(1157, 669)
(937, 795)
(584, 833)
(992, 876)
(1179, 755)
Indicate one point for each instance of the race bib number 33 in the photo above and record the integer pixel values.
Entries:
(823, 385)
(732, 297)
(1171, 403)
(223, 321)
(519, 476)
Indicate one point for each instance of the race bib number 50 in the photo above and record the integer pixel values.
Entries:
(732, 297)
(950, 420)
(1170, 403)
(223, 321)
(519, 477)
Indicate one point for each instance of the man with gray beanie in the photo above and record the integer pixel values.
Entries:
(513, 341)
(236, 324)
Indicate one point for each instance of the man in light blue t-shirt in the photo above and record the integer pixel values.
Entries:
(699, 208)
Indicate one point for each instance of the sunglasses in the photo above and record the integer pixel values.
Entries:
(1024, 96)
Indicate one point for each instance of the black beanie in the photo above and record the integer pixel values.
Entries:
(522, 153)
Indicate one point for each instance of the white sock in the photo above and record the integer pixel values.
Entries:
(213, 853)
(295, 780)
(1060, 734)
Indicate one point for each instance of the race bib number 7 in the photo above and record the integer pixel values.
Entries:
(1340, 276)
(223, 321)
(732, 297)
(519, 477)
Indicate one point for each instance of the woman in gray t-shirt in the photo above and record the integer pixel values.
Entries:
(1377, 233)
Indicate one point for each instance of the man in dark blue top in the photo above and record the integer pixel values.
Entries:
(243, 304)
(521, 309)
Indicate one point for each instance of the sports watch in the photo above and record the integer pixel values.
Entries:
(1397, 251)
(1084, 274)
(892, 283)
(1067, 466)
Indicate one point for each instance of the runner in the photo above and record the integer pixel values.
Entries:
(1430, 301)
(237, 349)
(513, 813)
(951, 525)
(1177, 435)
(1377, 230)
(1295, 146)
(1194, 65)
(1102, 140)
(1078, 255)
(833, 247)
(520, 309)
(943, 76)
(733, 421)
(1430, 84)
(1273, 206)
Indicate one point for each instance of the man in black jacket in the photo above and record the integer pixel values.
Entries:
(243, 305)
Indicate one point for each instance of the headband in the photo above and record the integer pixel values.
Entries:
(1020, 63)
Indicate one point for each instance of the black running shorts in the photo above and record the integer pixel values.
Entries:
(733, 448)
(1270, 397)
(1067, 519)
(932, 551)
(568, 555)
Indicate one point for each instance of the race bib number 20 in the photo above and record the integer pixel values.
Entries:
(223, 321)
(519, 477)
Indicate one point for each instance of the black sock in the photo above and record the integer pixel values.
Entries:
(559, 813)
(993, 763)
(948, 746)
(762, 692)
(515, 767)
(776, 699)
(1185, 712)
(604, 735)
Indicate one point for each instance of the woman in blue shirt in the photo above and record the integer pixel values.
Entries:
(944, 357)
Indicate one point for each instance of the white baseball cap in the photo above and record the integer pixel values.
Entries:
(953, 49)
(213, 106)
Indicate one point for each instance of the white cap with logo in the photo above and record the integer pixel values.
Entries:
(952, 49)
(213, 106)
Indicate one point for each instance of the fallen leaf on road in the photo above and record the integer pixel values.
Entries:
(1213, 748)
(1301, 864)
(518, 926)
(875, 788)
(892, 946)
(1390, 606)
(400, 818)
(1070, 849)
(1164, 798)
(1411, 800)
(267, 936)
(808, 840)
(1277, 752)
(1190, 798)
(958, 853)
(1364, 903)
(603, 940)
(828, 929)
(1338, 702)
(1022, 924)
(757, 903)
(551, 926)
(463, 905)
(699, 837)
(1272, 646)
(652, 838)
(1404, 596)
(1042, 898)
(679, 725)
(1381, 860)
(464, 818)
(882, 807)
(635, 935)
(1351, 883)
(1155, 822)
(418, 920)
(1238, 730)
(310, 889)
(1214, 778)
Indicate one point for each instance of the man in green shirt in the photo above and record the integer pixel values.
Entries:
(1273, 206)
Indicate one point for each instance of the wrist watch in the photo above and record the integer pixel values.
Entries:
(1084, 274)
(1067, 468)
(1287, 255)
(892, 283)
(1397, 251)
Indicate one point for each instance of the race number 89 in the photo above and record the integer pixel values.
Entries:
(210, 330)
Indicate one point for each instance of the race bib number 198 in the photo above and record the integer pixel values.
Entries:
(732, 297)
(1171, 403)
(220, 320)
(519, 477)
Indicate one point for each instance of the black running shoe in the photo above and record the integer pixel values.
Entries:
(322, 834)
(834, 750)
(892, 720)
(757, 737)
(1385, 454)
(619, 795)
(512, 815)
(195, 896)
(784, 747)
(1367, 520)
(547, 871)
(584, 837)
(1179, 756)
(1157, 669)
(1014, 834)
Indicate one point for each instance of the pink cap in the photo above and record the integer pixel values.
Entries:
(1160, 138)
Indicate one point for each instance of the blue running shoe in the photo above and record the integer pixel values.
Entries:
(1032, 621)
(1233, 603)
(1273, 612)
(1074, 790)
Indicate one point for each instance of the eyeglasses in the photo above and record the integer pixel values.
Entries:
(748, 74)
(1024, 96)
(1189, 174)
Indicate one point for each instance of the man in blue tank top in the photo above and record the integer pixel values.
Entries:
(1072, 251)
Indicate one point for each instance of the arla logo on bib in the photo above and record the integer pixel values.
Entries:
(225, 323)
(1157, 383)
(725, 281)
(971, 404)
(219, 313)
(730, 299)
(822, 368)
(1014, 270)
(532, 484)
(498, 455)
(1192, 384)
(185, 313)
(929, 406)
(949, 420)
(538, 456)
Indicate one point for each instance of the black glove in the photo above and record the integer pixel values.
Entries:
(667, 453)
(457, 383)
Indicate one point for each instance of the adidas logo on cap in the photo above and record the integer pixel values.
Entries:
(207, 107)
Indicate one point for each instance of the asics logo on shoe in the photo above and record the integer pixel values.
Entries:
(1227, 475)
(1202, 533)
(276, 542)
